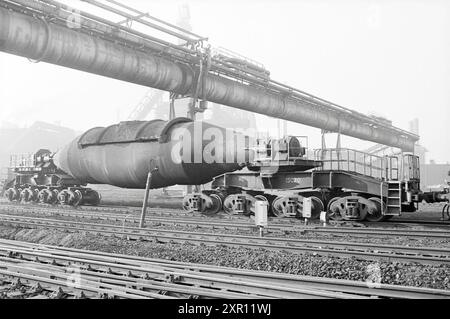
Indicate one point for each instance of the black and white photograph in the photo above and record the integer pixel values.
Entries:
(225, 155)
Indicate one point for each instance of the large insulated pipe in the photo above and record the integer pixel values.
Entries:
(37, 39)
(185, 153)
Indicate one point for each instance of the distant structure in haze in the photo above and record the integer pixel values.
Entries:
(431, 174)
(419, 150)
(18, 140)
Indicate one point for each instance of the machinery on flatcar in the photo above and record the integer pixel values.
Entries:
(37, 179)
(345, 183)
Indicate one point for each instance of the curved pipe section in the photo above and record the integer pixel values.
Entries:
(123, 154)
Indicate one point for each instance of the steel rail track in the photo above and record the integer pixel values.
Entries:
(98, 280)
(151, 264)
(86, 285)
(427, 255)
(245, 224)
(416, 233)
(403, 249)
(173, 212)
(112, 276)
(107, 271)
(419, 222)
(203, 222)
(61, 282)
(134, 218)
(99, 208)
(180, 213)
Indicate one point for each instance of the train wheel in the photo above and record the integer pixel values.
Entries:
(229, 204)
(63, 197)
(214, 206)
(70, 197)
(280, 206)
(187, 203)
(22, 195)
(235, 204)
(364, 210)
(203, 203)
(94, 198)
(375, 215)
(78, 198)
(44, 196)
(89, 197)
(9, 194)
(36, 195)
(54, 198)
(336, 209)
(317, 208)
(12, 194)
(26, 195)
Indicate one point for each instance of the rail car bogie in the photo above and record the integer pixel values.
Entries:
(36, 179)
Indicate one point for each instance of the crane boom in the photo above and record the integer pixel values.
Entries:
(38, 30)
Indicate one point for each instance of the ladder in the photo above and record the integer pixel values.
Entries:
(394, 199)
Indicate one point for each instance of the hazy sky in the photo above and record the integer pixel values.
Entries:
(386, 57)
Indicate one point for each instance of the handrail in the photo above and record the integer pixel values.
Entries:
(22, 160)
(386, 168)
(352, 161)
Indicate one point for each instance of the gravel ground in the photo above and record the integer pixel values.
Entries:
(388, 240)
(307, 264)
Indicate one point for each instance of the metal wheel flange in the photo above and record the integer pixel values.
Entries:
(280, 207)
(213, 206)
(335, 211)
(376, 214)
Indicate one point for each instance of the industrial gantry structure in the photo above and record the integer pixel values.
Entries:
(39, 30)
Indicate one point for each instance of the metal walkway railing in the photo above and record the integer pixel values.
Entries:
(350, 160)
(22, 160)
